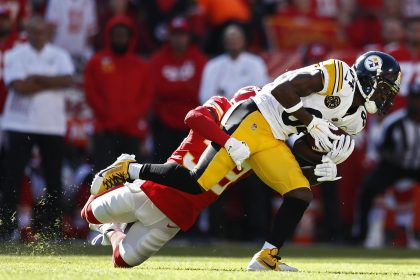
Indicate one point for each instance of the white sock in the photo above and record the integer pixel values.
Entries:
(268, 246)
(134, 170)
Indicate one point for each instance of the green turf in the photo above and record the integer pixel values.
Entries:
(218, 261)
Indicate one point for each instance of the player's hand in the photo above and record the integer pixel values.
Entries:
(326, 171)
(320, 130)
(237, 150)
(342, 149)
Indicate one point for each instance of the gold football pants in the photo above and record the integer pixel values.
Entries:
(271, 159)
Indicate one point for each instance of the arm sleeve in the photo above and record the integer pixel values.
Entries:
(201, 121)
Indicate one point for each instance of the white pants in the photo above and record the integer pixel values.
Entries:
(151, 229)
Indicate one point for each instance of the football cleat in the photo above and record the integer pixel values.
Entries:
(268, 259)
(114, 175)
(103, 229)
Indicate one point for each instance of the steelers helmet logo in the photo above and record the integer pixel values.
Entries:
(373, 63)
(332, 101)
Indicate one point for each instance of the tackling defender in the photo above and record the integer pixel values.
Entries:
(295, 101)
(159, 211)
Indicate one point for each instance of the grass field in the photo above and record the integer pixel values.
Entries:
(219, 261)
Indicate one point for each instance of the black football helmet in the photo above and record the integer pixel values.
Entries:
(378, 72)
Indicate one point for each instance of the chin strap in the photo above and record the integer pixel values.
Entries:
(369, 104)
(371, 107)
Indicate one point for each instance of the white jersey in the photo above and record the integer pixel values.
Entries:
(332, 102)
(353, 123)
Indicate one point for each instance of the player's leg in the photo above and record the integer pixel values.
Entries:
(278, 168)
(141, 242)
(246, 124)
(167, 174)
(150, 231)
(117, 205)
(145, 237)
(214, 164)
(113, 175)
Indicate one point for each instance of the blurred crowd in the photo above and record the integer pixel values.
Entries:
(100, 78)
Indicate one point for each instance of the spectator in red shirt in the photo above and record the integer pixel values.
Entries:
(117, 89)
(176, 73)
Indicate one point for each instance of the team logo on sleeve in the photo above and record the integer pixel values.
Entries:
(332, 101)
(373, 63)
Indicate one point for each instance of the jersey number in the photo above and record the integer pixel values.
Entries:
(348, 80)
(364, 117)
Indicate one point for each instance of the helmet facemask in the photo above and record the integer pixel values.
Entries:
(389, 90)
(379, 84)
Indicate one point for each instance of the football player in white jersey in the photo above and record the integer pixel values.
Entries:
(307, 99)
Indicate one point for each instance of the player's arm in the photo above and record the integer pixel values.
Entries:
(288, 92)
(294, 86)
(340, 151)
(204, 122)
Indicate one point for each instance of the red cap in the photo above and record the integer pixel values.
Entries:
(179, 24)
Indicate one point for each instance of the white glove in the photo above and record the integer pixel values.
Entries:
(237, 150)
(326, 171)
(342, 149)
(320, 130)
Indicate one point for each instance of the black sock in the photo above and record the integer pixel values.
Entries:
(171, 175)
(286, 220)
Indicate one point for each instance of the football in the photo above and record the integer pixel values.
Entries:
(310, 141)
